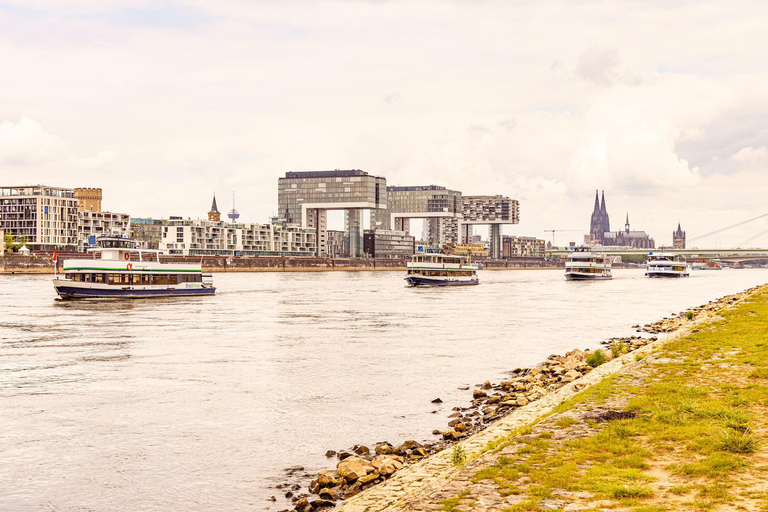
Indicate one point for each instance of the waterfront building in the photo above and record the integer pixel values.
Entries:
(523, 246)
(476, 250)
(214, 215)
(304, 198)
(198, 237)
(678, 238)
(88, 199)
(45, 217)
(385, 243)
(434, 203)
(147, 233)
(493, 211)
(93, 224)
(600, 232)
(335, 241)
(2, 242)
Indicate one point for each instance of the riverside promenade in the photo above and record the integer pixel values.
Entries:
(678, 424)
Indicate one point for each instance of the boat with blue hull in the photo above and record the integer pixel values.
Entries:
(123, 271)
(440, 270)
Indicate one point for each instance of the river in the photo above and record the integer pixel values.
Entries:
(200, 404)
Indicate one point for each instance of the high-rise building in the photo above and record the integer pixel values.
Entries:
(434, 203)
(678, 238)
(493, 211)
(303, 198)
(46, 217)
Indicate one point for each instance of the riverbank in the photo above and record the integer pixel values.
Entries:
(44, 265)
(496, 468)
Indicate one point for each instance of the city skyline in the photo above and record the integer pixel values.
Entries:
(159, 106)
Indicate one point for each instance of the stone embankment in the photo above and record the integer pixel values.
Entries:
(42, 264)
(362, 468)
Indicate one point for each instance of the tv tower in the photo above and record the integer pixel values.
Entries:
(233, 214)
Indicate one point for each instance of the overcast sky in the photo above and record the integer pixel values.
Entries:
(664, 105)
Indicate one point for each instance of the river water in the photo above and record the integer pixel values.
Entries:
(201, 403)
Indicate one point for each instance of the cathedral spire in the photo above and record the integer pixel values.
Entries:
(626, 225)
(602, 205)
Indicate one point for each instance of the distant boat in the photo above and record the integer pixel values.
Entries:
(116, 275)
(440, 270)
(666, 265)
(584, 265)
(706, 264)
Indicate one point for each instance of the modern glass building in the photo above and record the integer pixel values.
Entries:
(485, 210)
(304, 197)
(384, 243)
(432, 202)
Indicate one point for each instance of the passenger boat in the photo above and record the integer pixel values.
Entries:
(584, 265)
(666, 265)
(440, 270)
(119, 275)
(707, 264)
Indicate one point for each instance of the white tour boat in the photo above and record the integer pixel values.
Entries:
(583, 265)
(440, 270)
(117, 275)
(666, 265)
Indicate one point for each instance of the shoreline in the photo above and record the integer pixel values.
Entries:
(385, 476)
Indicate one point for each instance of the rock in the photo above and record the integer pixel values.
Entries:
(303, 505)
(369, 478)
(314, 487)
(460, 427)
(344, 455)
(494, 400)
(272, 498)
(464, 388)
(477, 394)
(508, 403)
(353, 468)
(332, 493)
(384, 449)
(330, 453)
(410, 445)
(326, 479)
(522, 401)
(318, 504)
(289, 494)
(387, 464)
(437, 401)
(436, 432)
(361, 450)
(487, 384)
(570, 376)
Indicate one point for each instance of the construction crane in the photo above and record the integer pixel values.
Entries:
(553, 231)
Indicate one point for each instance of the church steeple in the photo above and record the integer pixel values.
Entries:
(214, 214)
(602, 205)
(626, 225)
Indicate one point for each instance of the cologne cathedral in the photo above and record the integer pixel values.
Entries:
(600, 230)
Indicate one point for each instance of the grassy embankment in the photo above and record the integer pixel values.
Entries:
(684, 429)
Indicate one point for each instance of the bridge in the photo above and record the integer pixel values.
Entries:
(734, 255)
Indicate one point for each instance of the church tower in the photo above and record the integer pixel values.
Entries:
(600, 223)
(678, 238)
(214, 214)
(626, 224)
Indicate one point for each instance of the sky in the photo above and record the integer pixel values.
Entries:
(663, 105)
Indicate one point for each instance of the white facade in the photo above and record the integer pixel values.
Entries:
(99, 224)
(203, 237)
(45, 217)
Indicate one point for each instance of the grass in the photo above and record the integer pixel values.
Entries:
(459, 456)
(700, 413)
(596, 358)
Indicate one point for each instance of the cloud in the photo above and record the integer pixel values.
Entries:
(25, 143)
(750, 154)
(393, 98)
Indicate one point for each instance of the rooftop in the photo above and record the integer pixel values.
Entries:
(336, 173)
